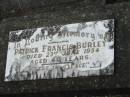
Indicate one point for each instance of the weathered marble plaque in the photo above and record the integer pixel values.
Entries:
(61, 51)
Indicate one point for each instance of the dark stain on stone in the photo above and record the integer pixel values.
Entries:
(26, 34)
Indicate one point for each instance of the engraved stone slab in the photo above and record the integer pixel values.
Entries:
(61, 51)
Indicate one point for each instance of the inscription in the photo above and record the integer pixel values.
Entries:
(61, 51)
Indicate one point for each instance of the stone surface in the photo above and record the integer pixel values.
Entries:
(18, 7)
(70, 13)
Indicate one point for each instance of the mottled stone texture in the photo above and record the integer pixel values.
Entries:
(34, 13)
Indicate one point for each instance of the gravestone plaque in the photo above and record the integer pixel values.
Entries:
(61, 51)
